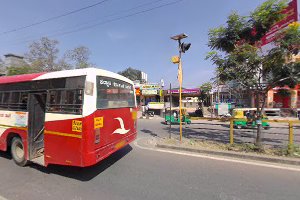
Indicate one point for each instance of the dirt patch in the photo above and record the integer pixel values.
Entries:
(293, 151)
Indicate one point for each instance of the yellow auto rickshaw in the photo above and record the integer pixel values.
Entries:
(246, 117)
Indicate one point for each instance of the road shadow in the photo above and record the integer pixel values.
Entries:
(5, 154)
(87, 173)
(149, 132)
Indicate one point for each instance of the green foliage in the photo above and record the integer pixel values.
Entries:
(238, 58)
(2, 67)
(204, 94)
(17, 70)
(43, 56)
(242, 29)
(132, 74)
(206, 87)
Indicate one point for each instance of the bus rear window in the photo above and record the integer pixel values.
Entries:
(114, 93)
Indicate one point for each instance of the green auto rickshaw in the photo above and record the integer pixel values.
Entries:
(245, 118)
(173, 116)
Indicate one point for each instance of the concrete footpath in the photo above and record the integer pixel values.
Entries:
(153, 142)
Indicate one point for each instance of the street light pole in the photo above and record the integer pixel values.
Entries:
(180, 89)
(170, 111)
(182, 49)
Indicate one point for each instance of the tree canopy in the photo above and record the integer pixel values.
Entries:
(237, 54)
(43, 55)
(79, 57)
(132, 74)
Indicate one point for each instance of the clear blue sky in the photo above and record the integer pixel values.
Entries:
(141, 41)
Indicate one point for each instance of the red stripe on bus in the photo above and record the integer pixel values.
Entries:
(19, 78)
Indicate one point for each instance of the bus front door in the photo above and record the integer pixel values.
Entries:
(36, 122)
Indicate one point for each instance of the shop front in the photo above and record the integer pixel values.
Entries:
(189, 97)
(284, 97)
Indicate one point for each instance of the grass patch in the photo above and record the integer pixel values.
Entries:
(242, 148)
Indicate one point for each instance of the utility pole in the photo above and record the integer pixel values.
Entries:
(170, 111)
(182, 49)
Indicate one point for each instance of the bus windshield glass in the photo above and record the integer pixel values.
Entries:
(114, 93)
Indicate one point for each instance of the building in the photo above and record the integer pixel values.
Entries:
(13, 60)
(236, 96)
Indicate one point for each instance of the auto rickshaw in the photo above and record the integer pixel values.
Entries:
(173, 117)
(245, 118)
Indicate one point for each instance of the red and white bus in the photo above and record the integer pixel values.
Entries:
(73, 117)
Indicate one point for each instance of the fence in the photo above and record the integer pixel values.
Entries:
(286, 130)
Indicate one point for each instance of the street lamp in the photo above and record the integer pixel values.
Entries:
(182, 47)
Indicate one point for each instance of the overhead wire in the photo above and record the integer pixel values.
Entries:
(110, 20)
(105, 16)
(53, 18)
(117, 19)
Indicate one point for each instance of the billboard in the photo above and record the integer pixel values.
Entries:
(291, 13)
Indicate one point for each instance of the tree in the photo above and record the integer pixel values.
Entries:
(204, 93)
(236, 53)
(16, 70)
(2, 67)
(132, 74)
(79, 57)
(43, 54)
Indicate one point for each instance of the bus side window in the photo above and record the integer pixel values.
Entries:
(53, 101)
(24, 100)
(65, 101)
(1, 96)
(15, 101)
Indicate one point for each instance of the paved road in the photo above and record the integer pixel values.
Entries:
(136, 174)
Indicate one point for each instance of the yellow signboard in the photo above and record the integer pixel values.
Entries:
(77, 126)
(98, 122)
(175, 59)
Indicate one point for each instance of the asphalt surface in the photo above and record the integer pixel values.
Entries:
(135, 173)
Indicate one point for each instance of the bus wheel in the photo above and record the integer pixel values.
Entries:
(18, 152)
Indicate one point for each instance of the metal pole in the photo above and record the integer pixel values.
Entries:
(231, 132)
(180, 90)
(170, 111)
(291, 138)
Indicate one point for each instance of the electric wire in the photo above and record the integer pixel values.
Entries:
(97, 20)
(53, 18)
(108, 21)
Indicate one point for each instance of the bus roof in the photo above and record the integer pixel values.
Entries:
(61, 74)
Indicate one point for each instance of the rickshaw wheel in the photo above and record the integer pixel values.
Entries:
(239, 127)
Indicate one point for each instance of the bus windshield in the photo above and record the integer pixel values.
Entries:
(114, 93)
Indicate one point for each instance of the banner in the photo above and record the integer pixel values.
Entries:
(291, 13)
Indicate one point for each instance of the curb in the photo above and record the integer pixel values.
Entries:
(233, 154)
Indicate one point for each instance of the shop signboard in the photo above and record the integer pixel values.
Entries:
(149, 92)
(150, 87)
(185, 91)
(156, 105)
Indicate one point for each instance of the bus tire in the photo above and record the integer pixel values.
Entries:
(18, 151)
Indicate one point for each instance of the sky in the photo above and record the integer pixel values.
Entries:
(124, 33)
